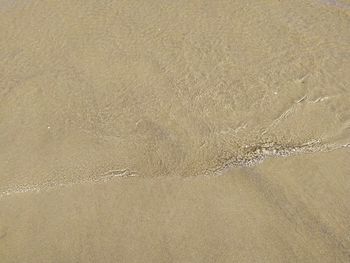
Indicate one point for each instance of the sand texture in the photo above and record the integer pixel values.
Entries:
(174, 131)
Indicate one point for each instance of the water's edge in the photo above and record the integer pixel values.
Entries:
(253, 155)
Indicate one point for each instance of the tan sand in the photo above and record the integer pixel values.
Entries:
(286, 210)
(174, 131)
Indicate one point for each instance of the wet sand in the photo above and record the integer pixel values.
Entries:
(286, 210)
(182, 131)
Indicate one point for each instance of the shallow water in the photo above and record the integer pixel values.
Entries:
(95, 92)
(335, 3)
(87, 88)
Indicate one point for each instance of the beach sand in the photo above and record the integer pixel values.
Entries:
(174, 131)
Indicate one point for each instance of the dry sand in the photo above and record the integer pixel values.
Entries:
(174, 131)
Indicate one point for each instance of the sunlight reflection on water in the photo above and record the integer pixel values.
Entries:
(336, 4)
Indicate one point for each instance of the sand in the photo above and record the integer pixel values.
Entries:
(174, 131)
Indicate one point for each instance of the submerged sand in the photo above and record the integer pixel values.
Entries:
(174, 131)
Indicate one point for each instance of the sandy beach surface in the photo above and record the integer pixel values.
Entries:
(174, 131)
